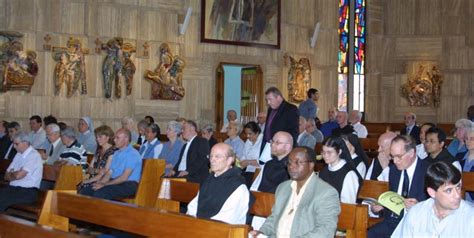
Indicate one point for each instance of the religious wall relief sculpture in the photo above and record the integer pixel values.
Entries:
(299, 78)
(18, 68)
(424, 86)
(70, 68)
(117, 67)
(167, 78)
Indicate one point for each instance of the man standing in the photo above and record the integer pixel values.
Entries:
(406, 177)
(274, 171)
(37, 134)
(193, 163)
(125, 171)
(330, 124)
(445, 213)
(223, 195)
(434, 145)
(56, 145)
(305, 206)
(24, 173)
(281, 116)
(411, 128)
(309, 109)
(360, 129)
(305, 138)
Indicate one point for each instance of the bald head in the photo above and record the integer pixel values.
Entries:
(282, 144)
(384, 142)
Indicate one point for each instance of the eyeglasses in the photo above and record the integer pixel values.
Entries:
(278, 142)
(296, 163)
(399, 157)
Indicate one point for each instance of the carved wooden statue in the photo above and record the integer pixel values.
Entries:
(18, 68)
(71, 68)
(299, 78)
(167, 78)
(424, 87)
(118, 67)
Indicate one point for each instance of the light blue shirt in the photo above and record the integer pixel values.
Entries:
(126, 158)
(308, 109)
(237, 145)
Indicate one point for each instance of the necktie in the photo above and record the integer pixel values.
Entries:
(51, 150)
(406, 183)
(139, 141)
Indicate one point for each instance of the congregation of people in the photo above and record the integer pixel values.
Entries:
(275, 153)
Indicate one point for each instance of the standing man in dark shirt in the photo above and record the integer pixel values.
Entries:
(274, 171)
(281, 116)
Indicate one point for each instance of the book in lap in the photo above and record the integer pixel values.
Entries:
(390, 200)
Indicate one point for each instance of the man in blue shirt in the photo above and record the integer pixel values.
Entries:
(125, 171)
(308, 108)
(331, 123)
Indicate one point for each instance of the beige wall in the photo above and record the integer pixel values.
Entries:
(403, 32)
(155, 21)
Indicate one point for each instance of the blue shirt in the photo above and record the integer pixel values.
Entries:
(327, 127)
(170, 153)
(453, 147)
(308, 109)
(237, 145)
(126, 158)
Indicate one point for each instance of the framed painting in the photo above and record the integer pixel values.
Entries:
(241, 22)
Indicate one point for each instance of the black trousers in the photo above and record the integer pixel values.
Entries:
(117, 191)
(12, 195)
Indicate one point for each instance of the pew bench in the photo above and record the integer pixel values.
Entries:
(372, 189)
(59, 207)
(67, 179)
(467, 183)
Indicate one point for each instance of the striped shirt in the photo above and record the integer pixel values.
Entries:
(74, 154)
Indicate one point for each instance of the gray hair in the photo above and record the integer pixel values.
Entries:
(128, 119)
(69, 132)
(142, 124)
(22, 137)
(54, 128)
(238, 126)
(464, 123)
(175, 126)
(359, 114)
(209, 127)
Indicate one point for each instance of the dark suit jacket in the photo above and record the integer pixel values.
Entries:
(286, 119)
(415, 133)
(5, 143)
(197, 163)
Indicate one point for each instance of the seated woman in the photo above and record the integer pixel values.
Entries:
(357, 154)
(207, 132)
(172, 148)
(467, 162)
(233, 131)
(457, 147)
(101, 164)
(151, 149)
(249, 160)
(339, 174)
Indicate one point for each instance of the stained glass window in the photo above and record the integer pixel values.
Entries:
(344, 62)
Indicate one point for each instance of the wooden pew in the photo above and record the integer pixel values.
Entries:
(372, 189)
(370, 146)
(59, 207)
(12, 227)
(467, 183)
(67, 179)
(150, 183)
(353, 220)
(174, 191)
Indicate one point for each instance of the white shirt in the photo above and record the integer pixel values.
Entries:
(350, 185)
(421, 221)
(410, 171)
(38, 138)
(156, 150)
(234, 210)
(360, 130)
(252, 152)
(420, 151)
(182, 164)
(31, 162)
(360, 167)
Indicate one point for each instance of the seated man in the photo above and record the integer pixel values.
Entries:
(223, 195)
(445, 213)
(379, 167)
(24, 173)
(312, 129)
(231, 117)
(124, 174)
(305, 138)
(434, 145)
(13, 129)
(331, 123)
(233, 131)
(56, 146)
(354, 118)
(344, 127)
(305, 206)
(74, 154)
(37, 134)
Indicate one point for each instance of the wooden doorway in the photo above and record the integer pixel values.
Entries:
(251, 98)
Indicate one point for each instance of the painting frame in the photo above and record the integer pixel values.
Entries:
(249, 25)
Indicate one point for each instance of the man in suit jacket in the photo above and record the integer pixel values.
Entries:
(410, 127)
(314, 214)
(193, 162)
(55, 145)
(406, 165)
(13, 129)
(281, 116)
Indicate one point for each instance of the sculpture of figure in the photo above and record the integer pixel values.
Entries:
(18, 68)
(112, 67)
(167, 78)
(128, 69)
(299, 77)
(70, 68)
(424, 88)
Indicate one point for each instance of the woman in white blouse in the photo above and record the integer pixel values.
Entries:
(249, 160)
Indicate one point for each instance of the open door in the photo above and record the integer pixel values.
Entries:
(251, 93)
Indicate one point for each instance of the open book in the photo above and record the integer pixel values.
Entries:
(390, 200)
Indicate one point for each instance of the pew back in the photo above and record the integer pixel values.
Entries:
(372, 189)
(20, 228)
(467, 183)
(353, 219)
